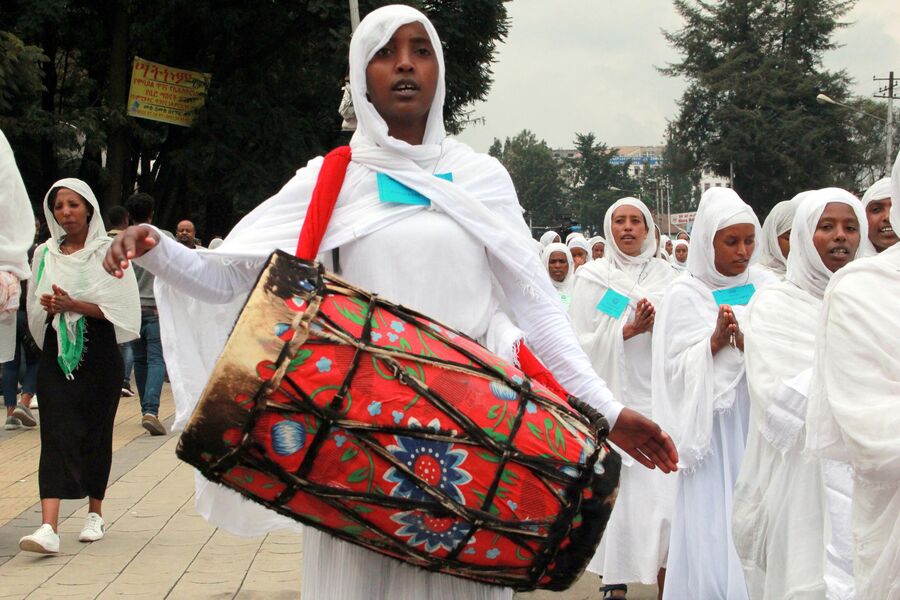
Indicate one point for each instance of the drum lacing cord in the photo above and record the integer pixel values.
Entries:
(300, 324)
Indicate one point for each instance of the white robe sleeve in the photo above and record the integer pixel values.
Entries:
(196, 274)
(549, 333)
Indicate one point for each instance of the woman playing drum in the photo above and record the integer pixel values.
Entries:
(466, 231)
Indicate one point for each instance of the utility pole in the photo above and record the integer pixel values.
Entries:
(888, 93)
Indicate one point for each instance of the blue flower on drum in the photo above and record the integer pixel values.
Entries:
(435, 533)
(434, 462)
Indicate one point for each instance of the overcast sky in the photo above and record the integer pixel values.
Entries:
(589, 66)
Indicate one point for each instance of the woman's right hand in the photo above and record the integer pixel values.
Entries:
(726, 327)
(131, 243)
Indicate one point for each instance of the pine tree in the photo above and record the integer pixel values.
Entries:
(754, 68)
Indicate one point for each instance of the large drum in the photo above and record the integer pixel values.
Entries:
(389, 430)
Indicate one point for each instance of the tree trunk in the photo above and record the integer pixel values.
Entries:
(119, 72)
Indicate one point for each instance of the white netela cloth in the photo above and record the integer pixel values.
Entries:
(16, 235)
(635, 543)
(200, 293)
(564, 287)
(701, 401)
(777, 223)
(81, 275)
(853, 406)
(780, 508)
(880, 190)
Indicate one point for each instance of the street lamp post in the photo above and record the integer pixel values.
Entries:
(888, 124)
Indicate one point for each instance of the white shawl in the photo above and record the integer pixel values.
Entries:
(679, 265)
(689, 384)
(879, 190)
(779, 516)
(809, 272)
(636, 277)
(778, 222)
(82, 276)
(481, 199)
(548, 238)
(852, 414)
(564, 287)
(16, 236)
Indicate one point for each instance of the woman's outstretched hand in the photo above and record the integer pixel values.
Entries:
(131, 243)
(645, 441)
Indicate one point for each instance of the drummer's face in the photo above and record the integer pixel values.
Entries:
(401, 80)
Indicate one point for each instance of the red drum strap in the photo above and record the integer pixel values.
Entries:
(321, 206)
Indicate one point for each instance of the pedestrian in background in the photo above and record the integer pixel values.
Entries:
(78, 315)
(149, 365)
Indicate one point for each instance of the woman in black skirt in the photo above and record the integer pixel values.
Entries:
(78, 315)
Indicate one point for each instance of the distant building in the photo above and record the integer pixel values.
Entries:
(642, 158)
(709, 179)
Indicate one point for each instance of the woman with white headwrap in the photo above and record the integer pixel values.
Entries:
(580, 251)
(780, 509)
(470, 232)
(598, 246)
(550, 237)
(612, 314)
(776, 231)
(700, 392)
(679, 255)
(78, 315)
(561, 268)
(877, 204)
(852, 411)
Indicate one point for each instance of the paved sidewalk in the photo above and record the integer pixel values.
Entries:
(156, 545)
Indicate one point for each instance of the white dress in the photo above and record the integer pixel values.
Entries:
(709, 394)
(635, 544)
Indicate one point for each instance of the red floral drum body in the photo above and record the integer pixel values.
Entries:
(389, 430)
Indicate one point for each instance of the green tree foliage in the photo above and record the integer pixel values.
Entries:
(536, 175)
(277, 69)
(590, 175)
(754, 68)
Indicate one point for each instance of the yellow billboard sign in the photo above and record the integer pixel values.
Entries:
(166, 94)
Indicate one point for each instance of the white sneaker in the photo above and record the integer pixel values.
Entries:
(93, 529)
(33, 405)
(42, 541)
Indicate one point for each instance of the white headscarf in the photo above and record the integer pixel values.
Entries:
(373, 32)
(679, 265)
(580, 242)
(16, 236)
(564, 287)
(690, 385)
(777, 223)
(880, 190)
(663, 239)
(597, 239)
(573, 235)
(717, 207)
(636, 277)
(548, 238)
(82, 276)
(805, 268)
(852, 413)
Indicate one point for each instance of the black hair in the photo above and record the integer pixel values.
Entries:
(117, 217)
(51, 201)
(140, 206)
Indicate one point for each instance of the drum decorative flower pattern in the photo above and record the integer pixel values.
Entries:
(392, 431)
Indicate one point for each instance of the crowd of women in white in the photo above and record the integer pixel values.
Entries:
(770, 359)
